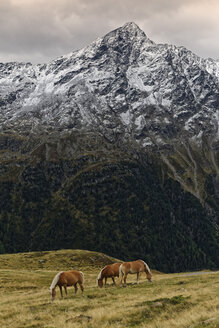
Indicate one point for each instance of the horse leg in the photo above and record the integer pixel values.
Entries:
(82, 288)
(113, 281)
(76, 288)
(138, 277)
(122, 276)
(65, 287)
(60, 288)
(125, 276)
(105, 281)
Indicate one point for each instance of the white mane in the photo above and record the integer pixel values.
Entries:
(100, 274)
(147, 267)
(55, 280)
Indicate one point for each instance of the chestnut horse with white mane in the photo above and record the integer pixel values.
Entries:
(65, 279)
(109, 271)
(134, 267)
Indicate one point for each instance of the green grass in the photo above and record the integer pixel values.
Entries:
(55, 260)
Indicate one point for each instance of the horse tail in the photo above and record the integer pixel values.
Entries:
(121, 274)
(55, 281)
(82, 275)
(120, 271)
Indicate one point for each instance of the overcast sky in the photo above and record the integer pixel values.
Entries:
(41, 30)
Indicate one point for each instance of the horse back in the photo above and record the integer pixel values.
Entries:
(139, 265)
(133, 267)
(115, 269)
(79, 276)
(125, 267)
(111, 270)
(70, 278)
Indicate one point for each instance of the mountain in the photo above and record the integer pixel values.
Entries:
(114, 148)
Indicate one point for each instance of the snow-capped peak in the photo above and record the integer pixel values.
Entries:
(120, 83)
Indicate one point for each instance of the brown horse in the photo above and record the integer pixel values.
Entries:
(134, 267)
(109, 271)
(70, 278)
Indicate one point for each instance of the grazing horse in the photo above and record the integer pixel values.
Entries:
(109, 271)
(70, 278)
(134, 267)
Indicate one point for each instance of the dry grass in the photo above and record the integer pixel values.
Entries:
(171, 300)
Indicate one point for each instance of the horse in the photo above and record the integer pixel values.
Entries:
(134, 267)
(69, 278)
(109, 271)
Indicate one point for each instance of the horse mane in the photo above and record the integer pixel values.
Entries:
(146, 267)
(55, 281)
(100, 274)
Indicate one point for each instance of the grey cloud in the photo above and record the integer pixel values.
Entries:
(39, 30)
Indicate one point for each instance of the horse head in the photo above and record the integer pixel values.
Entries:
(100, 282)
(149, 276)
(53, 293)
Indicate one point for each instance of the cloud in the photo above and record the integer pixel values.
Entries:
(39, 30)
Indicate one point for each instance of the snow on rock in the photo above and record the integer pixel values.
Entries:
(123, 81)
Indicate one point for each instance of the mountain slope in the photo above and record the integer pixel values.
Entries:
(113, 148)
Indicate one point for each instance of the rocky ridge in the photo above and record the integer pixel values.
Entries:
(122, 83)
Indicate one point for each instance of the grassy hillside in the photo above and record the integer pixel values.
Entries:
(172, 300)
(56, 260)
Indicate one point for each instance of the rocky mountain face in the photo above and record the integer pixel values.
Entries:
(118, 142)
